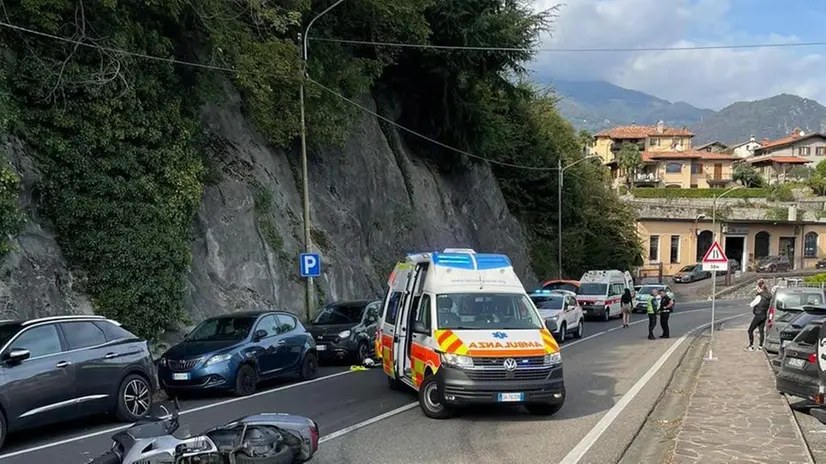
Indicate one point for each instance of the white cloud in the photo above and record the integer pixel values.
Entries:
(706, 78)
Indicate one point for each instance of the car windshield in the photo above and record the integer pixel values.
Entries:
(688, 268)
(340, 314)
(486, 311)
(646, 290)
(548, 301)
(593, 289)
(561, 286)
(222, 328)
(796, 300)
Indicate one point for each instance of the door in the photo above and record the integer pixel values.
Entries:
(41, 389)
(268, 348)
(787, 250)
(404, 318)
(291, 341)
(422, 339)
(569, 311)
(718, 171)
(97, 366)
(396, 287)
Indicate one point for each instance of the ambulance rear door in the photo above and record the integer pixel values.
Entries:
(397, 286)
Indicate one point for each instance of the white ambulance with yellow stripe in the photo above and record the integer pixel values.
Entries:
(458, 327)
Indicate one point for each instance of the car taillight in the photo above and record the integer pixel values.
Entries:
(812, 358)
(314, 437)
(771, 318)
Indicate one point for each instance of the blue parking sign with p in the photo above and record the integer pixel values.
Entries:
(310, 264)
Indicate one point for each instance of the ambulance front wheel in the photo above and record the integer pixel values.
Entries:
(431, 400)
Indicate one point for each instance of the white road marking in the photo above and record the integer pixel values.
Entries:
(112, 430)
(367, 422)
(334, 435)
(593, 435)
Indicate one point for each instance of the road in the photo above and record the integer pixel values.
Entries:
(612, 376)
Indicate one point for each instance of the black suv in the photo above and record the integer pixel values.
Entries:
(346, 330)
(65, 367)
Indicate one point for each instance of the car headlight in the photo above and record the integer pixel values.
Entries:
(553, 358)
(218, 358)
(554, 318)
(457, 360)
(344, 334)
(162, 362)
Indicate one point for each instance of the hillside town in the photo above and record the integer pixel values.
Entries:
(766, 193)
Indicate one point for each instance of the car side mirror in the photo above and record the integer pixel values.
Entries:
(419, 328)
(16, 356)
(259, 335)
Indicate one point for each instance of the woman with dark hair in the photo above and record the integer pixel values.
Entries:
(626, 303)
(760, 308)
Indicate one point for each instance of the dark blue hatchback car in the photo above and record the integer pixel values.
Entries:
(236, 351)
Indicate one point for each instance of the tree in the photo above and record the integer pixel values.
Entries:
(586, 141)
(800, 173)
(817, 181)
(747, 175)
(630, 159)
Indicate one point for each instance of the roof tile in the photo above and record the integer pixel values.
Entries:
(641, 132)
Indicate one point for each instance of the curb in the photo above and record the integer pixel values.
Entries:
(797, 430)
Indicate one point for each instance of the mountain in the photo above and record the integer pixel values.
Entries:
(597, 105)
(772, 118)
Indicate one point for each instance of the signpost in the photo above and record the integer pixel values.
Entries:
(714, 260)
(309, 264)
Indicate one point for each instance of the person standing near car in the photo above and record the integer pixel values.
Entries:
(760, 308)
(653, 308)
(626, 302)
(666, 303)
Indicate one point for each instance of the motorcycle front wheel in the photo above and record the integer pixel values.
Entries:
(108, 457)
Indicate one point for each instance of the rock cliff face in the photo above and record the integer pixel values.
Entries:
(371, 201)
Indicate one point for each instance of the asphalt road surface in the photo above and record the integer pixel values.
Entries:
(613, 376)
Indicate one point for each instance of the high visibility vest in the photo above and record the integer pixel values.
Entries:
(651, 309)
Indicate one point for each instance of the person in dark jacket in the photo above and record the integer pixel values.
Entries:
(666, 304)
(760, 309)
(625, 304)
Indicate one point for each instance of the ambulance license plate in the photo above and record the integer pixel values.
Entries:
(511, 397)
(184, 376)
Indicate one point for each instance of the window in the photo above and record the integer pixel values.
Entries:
(393, 308)
(696, 168)
(268, 324)
(654, 142)
(40, 341)
(593, 289)
(371, 315)
(286, 323)
(819, 151)
(82, 335)
(340, 313)
(673, 168)
(617, 289)
(810, 245)
(227, 328)
(114, 332)
(809, 335)
(804, 151)
(675, 249)
(423, 314)
(654, 249)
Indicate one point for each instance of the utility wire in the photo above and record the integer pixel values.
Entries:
(571, 50)
(321, 86)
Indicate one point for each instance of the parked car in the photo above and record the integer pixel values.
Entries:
(562, 314)
(774, 264)
(787, 303)
(796, 324)
(644, 294)
(346, 330)
(67, 367)
(821, 263)
(798, 374)
(691, 273)
(561, 284)
(236, 351)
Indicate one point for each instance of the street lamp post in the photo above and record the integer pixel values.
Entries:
(714, 273)
(305, 184)
(561, 170)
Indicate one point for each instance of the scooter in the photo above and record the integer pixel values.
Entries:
(265, 438)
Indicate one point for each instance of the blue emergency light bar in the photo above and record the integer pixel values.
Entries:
(541, 292)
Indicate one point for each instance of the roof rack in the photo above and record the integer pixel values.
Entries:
(63, 318)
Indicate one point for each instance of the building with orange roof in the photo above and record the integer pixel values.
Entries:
(657, 138)
(809, 146)
(685, 169)
(776, 168)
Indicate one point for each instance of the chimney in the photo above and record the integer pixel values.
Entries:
(764, 142)
(660, 127)
(796, 132)
(633, 123)
(753, 139)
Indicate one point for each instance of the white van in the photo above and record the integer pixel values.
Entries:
(459, 328)
(600, 292)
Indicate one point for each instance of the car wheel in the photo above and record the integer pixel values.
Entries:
(309, 368)
(3, 429)
(246, 380)
(134, 398)
(362, 353)
(543, 409)
(563, 332)
(580, 329)
(607, 316)
(430, 399)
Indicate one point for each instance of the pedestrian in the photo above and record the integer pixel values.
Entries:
(626, 302)
(653, 308)
(666, 304)
(760, 308)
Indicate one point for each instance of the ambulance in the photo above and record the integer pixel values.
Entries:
(600, 292)
(458, 327)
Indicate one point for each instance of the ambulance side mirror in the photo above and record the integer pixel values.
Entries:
(419, 328)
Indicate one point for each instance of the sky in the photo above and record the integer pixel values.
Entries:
(704, 78)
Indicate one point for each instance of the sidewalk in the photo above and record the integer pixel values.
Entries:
(735, 413)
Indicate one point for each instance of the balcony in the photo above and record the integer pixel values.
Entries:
(718, 181)
(642, 178)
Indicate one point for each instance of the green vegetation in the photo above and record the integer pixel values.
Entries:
(817, 180)
(118, 142)
(699, 193)
(12, 219)
(815, 279)
(747, 175)
(630, 159)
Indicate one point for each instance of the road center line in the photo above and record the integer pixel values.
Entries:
(593, 435)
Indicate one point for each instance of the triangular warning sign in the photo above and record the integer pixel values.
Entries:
(715, 254)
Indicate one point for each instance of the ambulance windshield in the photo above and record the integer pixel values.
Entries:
(486, 311)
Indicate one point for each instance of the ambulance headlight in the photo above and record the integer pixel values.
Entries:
(457, 360)
(553, 358)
